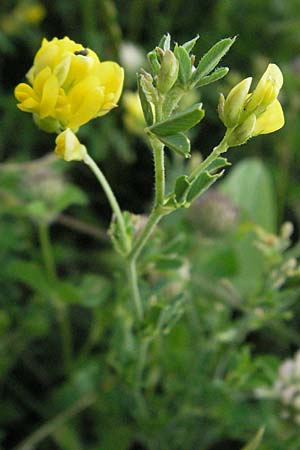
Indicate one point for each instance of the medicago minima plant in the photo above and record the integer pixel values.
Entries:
(67, 86)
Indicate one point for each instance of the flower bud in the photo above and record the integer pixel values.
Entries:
(242, 132)
(168, 72)
(234, 103)
(68, 146)
(153, 61)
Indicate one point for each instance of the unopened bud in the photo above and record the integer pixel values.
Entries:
(243, 132)
(168, 72)
(68, 146)
(234, 103)
(153, 61)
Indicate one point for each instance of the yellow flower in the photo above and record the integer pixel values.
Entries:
(267, 89)
(69, 147)
(69, 86)
(272, 119)
(256, 113)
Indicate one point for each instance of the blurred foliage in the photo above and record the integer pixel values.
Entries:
(222, 279)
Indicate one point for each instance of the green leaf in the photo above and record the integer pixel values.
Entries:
(219, 73)
(211, 59)
(181, 121)
(165, 42)
(146, 106)
(189, 45)
(250, 187)
(182, 185)
(185, 64)
(201, 184)
(218, 163)
(153, 61)
(179, 143)
(254, 443)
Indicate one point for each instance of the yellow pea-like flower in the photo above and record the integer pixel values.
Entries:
(68, 86)
(261, 106)
(267, 89)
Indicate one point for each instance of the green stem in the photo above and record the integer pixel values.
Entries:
(221, 148)
(134, 287)
(111, 198)
(159, 166)
(158, 150)
(61, 310)
(153, 219)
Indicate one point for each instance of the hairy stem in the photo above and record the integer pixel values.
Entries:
(134, 287)
(220, 148)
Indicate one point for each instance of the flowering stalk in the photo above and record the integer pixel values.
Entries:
(68, 86)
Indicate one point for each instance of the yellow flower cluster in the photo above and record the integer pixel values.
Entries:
(256, 113)
(69, 86)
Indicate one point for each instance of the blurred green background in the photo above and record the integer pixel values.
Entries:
(221, 279)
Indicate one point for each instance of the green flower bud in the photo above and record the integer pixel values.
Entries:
(234, 103)
(242, 132)
(168, 72)
(153, 61)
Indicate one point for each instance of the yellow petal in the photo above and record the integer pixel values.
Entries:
(40, 80)
(111, 76)
(29, 105)
(23, 91)
(267, 88)
(90, 105)
(271, 120)
(61, 71)
(49, 97)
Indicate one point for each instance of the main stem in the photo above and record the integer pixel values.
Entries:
(61, 310)
(156, 214)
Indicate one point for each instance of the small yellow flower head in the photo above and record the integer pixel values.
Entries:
(68, 85)
(256, 113)
(68, 146)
